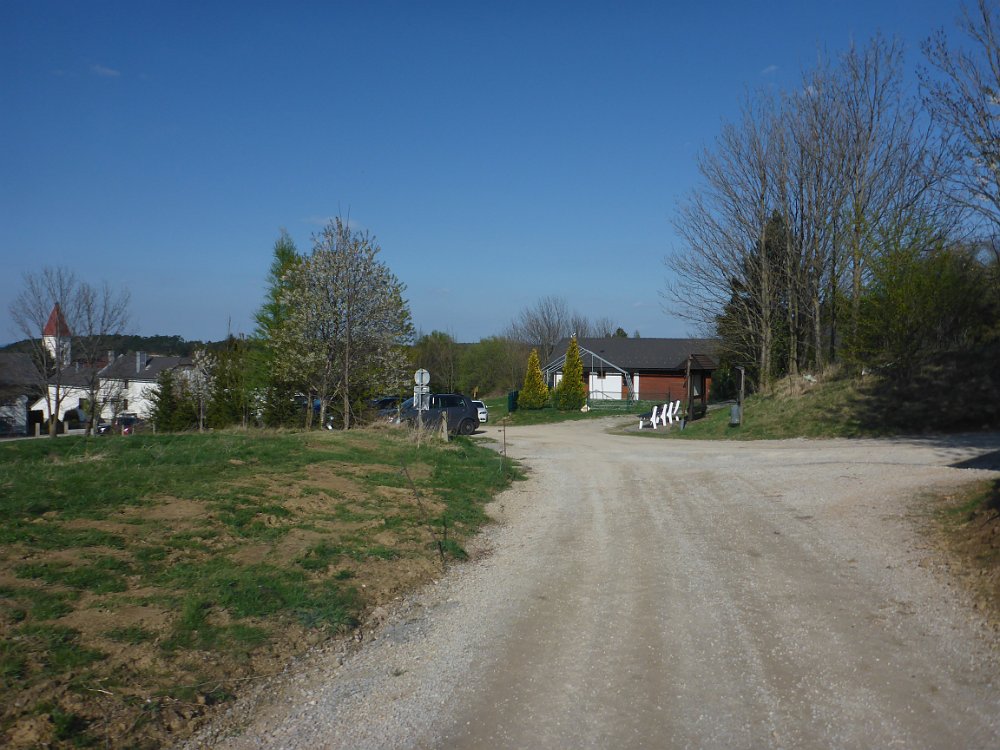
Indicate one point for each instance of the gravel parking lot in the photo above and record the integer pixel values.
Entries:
(659, 593)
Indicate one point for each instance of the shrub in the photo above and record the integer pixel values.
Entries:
(571, 394)
(534, 394)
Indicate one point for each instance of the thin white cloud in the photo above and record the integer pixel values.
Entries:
(104, 71)
(769, 70)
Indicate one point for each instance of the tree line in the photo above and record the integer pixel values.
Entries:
(334, 333)
(855, 222)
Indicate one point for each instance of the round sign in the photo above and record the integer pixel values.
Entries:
(421, 377)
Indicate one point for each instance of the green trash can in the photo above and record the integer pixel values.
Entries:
(512, 401)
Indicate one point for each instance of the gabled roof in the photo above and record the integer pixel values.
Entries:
(142, 366)
(643, 354)
(19, 376)
(56, 325)
(18, 369)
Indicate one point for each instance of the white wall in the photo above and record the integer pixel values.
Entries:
(608, 388)
(112, 394)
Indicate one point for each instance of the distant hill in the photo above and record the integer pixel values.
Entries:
(165, 346)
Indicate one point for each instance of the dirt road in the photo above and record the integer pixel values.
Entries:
(661, 594)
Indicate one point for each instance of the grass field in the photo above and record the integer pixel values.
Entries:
(823, 409)
(142, 578)
(549, 414)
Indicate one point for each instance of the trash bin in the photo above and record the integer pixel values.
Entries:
(734, 415)
(512, 401)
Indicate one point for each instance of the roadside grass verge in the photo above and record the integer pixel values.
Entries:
(825, 409)
(143, 579)
(550, 415)
(967, 527)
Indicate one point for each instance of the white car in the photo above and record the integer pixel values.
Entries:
(484, 413)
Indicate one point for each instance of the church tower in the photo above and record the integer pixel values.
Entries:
(56, 337)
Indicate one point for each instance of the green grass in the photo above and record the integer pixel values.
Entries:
(830, 409)
(102, 576)
(38, 604)
(550, 415)
(204, 532)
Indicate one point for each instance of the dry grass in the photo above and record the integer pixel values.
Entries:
(145, 580)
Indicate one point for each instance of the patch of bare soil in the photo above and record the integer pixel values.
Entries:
(151, 697)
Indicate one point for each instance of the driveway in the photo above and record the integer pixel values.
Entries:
(646, 593)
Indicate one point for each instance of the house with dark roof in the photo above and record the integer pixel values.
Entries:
(130, 379)
(642, 369)
(125, 384)
(115, 384)
(20, 384)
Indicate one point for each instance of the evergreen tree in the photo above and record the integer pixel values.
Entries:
(280, 408)
(166, 408)
(175, 405)
(571, 394)
(232, 396)
(534, 393)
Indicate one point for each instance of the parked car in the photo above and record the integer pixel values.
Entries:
(461, 414)
(385, 402)
(125, 423)
(386, 408)
(382, 409)
(484, 413)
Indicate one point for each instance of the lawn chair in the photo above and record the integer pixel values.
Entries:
(649, 419)
(673, 412)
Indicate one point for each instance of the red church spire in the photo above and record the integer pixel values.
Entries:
(57, 324)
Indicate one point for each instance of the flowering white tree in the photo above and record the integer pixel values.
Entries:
(346, 321)
(201, 380)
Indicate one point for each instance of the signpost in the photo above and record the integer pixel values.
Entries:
(422, 390)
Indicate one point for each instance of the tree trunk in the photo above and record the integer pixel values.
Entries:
(347, 380)
(791, 305)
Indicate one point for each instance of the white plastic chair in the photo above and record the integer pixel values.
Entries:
(649, 420)
(673, 412)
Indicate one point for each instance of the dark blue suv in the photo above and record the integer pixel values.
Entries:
(461, 413)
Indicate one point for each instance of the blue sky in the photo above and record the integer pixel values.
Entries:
(499, 152)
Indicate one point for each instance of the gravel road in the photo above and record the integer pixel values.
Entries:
(666, 594)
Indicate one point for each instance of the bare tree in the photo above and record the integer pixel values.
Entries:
(542, 325)
(796, 200)
(53, 289)
(964, 97)
(605, 328)
(580, 325)
(83, 318)
(437, 352)
(103, 314)
(813, 192)
(726, 265)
